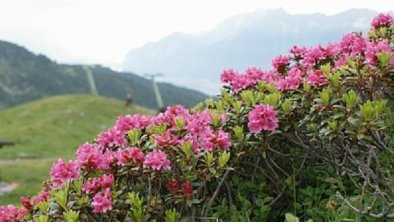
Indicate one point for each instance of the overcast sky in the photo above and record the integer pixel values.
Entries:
(103, 31)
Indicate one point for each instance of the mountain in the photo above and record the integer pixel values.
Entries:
(240, 42)
(25, 76)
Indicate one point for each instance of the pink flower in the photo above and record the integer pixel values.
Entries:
(211, 140)
(196, 123)
(298, 52)
(313, 56)
(157, 160)
(228, 75)
(382, 20)
(175, 111)
(128, 122)
(166, 139)
(253, 75)
(62, 172)
(317, 78)
(131, 155)
(271, 77)
(114, 137)
(26, 202)
(102, 182)
(341, 61)
(92, 157)
(280, 62)
(41, 197)
(10, 213)
(291, 81)
(263, 117)
(353, 44)
(373, 50)
(102, 202)
(238, 82)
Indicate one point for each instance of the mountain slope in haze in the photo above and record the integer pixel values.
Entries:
(55, 126)
(240, 42)
(25, 76)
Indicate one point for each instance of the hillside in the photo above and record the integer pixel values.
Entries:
(246, 40)
(55, 126)
(25, 76)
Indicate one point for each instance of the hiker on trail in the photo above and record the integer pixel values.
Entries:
(129, 100)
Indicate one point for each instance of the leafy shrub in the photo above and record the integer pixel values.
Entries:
(311, 137)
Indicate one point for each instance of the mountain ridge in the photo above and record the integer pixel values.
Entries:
(25, 76)
(242, 41)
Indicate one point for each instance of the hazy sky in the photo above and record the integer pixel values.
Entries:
(103, 31)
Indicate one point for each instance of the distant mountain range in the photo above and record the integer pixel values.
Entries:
(239, 42)
(25, 76)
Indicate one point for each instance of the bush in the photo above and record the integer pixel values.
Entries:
(311, 137)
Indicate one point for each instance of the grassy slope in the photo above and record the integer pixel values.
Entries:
(49, 129)
(55, 126)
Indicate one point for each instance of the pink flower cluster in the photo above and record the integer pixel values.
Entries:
(287, 76)
(241, 81)
(212, 139)
(130, 155)
(102, 202)
(317, 78)
(374, 49)
(382, 20)
(114, 137)
(353, 44)
(297, 52)
(138, 121)
(95, 184)
(167, 139)
(10, 213)
(263, 117)
(29, 202)
(157, 160)
(280, 62)
(91, 157)
(62, 172)
(292, 81)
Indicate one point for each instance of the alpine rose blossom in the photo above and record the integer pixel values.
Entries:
(211, 139)
(263, 117)
(93, 185)
(102, 202)
(157, 160)
(128, 122)
(10, 213)
(317, 78)
(382, 20)
(62, 172)
(131, 155)
(280, 62)
(92, 157)
(114, 137)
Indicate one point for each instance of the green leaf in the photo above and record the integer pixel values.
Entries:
(137, 211)
(223, 159)
(71, 216)
(291, 218)
(187, 149)
(384, 59)
(287, 106)
(42, 218)
(171, 215)
(134, 136)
